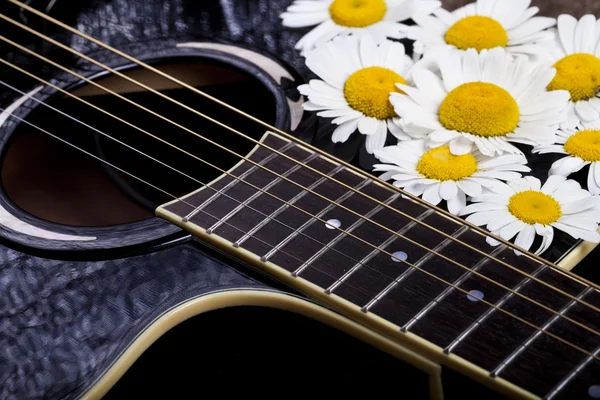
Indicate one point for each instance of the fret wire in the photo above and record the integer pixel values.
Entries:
(502, 241)
(261, 144)
(231, 184)
(374, 253)
(412, 265)
(268, 126)
(284, 207)
(221, 191)
(407, 273)
(341, 236)
(453, 218)
(491, 311)
(257, 194)
(153, 186)
(218, 192)
(498, 370)
(572, 375)
(449, 290)
(311, 221)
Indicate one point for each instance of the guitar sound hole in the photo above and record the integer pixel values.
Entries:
(55, 182)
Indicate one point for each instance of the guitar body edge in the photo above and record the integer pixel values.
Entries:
(260, 298)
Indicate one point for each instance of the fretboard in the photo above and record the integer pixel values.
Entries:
(283, 216)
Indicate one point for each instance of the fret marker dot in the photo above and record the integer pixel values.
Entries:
(333, 223)
(475, 295)
(399, 255)
(594, 391)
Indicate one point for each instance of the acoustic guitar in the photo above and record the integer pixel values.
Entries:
(159, 172)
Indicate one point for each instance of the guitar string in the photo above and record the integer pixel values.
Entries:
(167, 193)
(543, 331)
(450, 237)
(423, 271)
(302, 187)
(204, 185)
(333, 202)
(456, 219)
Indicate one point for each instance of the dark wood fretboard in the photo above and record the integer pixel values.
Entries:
(285, 227)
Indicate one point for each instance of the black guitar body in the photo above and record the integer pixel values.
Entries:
(79, 285)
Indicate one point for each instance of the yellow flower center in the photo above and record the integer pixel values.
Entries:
(439, 163)
(357, 13)
(479, 108)
(585, 145)
(368, 91)
(534, 207)
(477, 32)
(579, 74)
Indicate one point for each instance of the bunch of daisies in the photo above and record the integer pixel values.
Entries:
(485, 85)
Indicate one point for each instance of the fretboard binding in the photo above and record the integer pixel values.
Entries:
(449, 289)
(572, 375)
(312, 220)
(342, 235)
(235, 181)
(285, 206)
(250, 199)
(411, 270)
(371, 255)
(538, 333)
(491, 311)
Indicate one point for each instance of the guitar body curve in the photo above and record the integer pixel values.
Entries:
(85, 301)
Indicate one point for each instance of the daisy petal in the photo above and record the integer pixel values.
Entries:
(448, 190)
(592, 185)
(377, 140)
(578, 222)
(343, 132)
(460, 146)
(510, 230)
(566, 166)
(547, 234)
(500, 221)
(432, 195)
(566, 29)
(586, 111)
(470, 188)
(534, 183)
(591, 236)
(397, 131)
(553, 183)
(473, 208)
(585, 34)
(481, 218)
(368, 126)
(580, 205)
(596, 168)
(525, 238)
(457, 203)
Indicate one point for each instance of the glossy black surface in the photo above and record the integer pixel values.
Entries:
(64, 322)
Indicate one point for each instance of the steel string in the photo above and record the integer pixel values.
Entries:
(454, 218)
(383, 251)
(308, 190)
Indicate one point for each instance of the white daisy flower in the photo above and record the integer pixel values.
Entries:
(527, 208)
(357, 79)
(581, 148)
(488, 99)
(376, 18)
(574, 54)
(483, 24)
(439, 175)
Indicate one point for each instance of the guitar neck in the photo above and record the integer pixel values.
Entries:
(402, 269)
